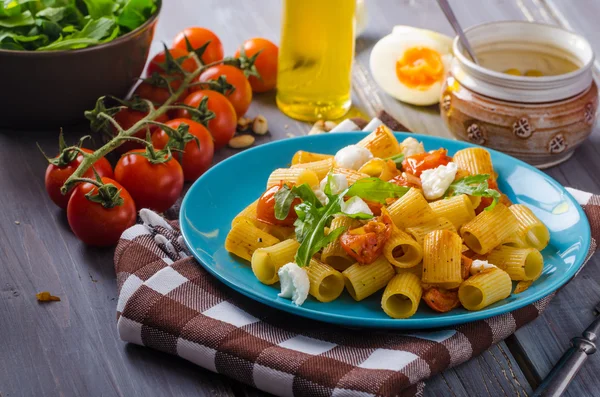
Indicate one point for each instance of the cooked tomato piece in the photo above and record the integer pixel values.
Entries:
(486, 201)
(465, 266)
(441, 300)
(365, 243)
(407, 180)
(417, 163)
(265, 209)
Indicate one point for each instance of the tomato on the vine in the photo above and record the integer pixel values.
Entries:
(156, 91)
(154, 179)
(223, 123)
(98, 216)
(63, 166)
(265, 63)
(241, 94)
(126, 118)
(198, 37)
(159, 64)
(194, 140)
(265, 208)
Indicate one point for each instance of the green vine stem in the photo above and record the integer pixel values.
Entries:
(90, 158)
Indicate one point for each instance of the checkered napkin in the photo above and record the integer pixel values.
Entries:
(168, 302)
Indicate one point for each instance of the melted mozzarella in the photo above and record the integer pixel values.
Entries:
(338, 183)
(352, 157)
(294, 283)
(411, 146)
(436, 181)
(479, 266)
(356, 205)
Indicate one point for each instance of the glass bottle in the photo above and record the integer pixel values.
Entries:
(315, 58)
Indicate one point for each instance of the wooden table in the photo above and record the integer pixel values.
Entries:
(72, 348)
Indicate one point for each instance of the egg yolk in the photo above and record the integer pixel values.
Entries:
(419, 67)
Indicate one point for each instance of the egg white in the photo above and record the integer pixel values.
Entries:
(391, 48)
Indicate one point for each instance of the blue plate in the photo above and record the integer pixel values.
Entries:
(214, 200)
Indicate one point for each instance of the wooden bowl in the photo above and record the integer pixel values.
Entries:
(50, 89)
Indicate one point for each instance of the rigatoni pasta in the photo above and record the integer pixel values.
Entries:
(489, 229)
(318, 233)
(402, 296)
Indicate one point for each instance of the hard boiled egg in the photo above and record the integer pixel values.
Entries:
(410, 64)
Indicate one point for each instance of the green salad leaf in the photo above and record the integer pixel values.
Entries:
(397, 159)
(46, 25)
(314, 217)
(474, 185)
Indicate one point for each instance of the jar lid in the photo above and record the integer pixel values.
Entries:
(524, 36)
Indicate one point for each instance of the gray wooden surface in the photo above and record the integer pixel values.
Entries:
(72, 348)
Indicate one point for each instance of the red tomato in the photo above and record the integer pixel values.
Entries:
(197, 156)
(222, 126)
(241, 96)
(441, 300)
(157, 94)
(265, 209)
(365, 243)
(197, 38)
(157, 64)
(94, 224)
(56, 176)
(417, 163)
(154, 186)
(266, 63)
(126, 119)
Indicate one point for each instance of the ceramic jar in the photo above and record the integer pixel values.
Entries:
(540, 120)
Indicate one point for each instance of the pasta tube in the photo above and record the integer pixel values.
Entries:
(519, 263)
(442, 259)
(458, 209)
(321, 167)
(247, 213)
(489, 229)
(381, 142)
(351, 175)
(295, 176)
(531, 232)
(420, 231)
(382, 169)
(334, 254)
(401, 250)
(244, 238)
(416, 270)
(484, 289)
(267, 261)
(364, 280)
(402, 296)
(475, 160)
(307, 157)
(410, 210)
(326, 283)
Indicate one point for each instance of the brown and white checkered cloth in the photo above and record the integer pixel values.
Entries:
(168, 302)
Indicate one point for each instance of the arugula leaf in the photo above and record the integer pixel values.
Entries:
(397, 159)
(92, 33)
(135, 13)
(474, 185)
(374, 189)
(23, 19)
(99, 8)
(283, 201)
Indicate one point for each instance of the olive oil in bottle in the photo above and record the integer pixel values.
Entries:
(315, 58)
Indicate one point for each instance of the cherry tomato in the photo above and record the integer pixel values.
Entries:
(441, 300)
(56, 176)
(265, 209)
(154, 186)
(157, 64)
(198, 37)
(417, 163)
(157, 94)
(94, 224)
(126, 119)
(266, 63)
(365, 243)
(406, 180)
(222, 126)
(241, 96)
(197, 156)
